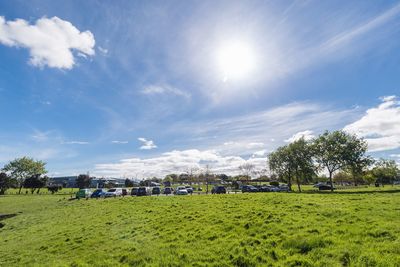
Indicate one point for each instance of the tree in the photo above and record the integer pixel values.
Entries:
(21, 168)
(280, 162)
(336, 150)
(35, 182)
(301, 157)
(5, 183)
(385, 171)
(54, 188)
(83, 181)
(357, 162)
(247, 169)
(342, 177)
(128, 182)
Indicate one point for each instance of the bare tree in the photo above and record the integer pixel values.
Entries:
(247, 169)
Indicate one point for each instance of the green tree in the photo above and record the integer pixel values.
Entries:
(21, 168)
(385, 171)
(5, 183)
(83, 181)
(128, 182)
(301, 158)
(281, 163)
(35, 182)
(337, 150)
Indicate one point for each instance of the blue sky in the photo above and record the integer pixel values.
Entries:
(137, 88)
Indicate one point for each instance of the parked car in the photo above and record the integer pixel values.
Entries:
(156, 191)
(189, 189)
(275, 189)
(284, 188)
(134, 191)
(249, 188)
(115, 192)
(325, 187)
(98, 193)
(265, 188)
(181, 190)
(144, 191)
(168, 190)
(83, 193)
(218, 190)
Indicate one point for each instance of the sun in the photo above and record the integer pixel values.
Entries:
(235, 61)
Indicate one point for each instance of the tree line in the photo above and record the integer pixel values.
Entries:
(334, 152)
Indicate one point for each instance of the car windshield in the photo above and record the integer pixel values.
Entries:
(112, 190)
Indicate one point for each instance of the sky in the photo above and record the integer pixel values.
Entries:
(146, 88)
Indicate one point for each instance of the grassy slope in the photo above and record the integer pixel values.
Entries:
(276, 229)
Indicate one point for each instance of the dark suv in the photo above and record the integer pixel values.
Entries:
(218, 190)
(249, 188)
(156, 191)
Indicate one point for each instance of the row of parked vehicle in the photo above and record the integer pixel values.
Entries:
(135, 191)
(265, 188)
(180, 190)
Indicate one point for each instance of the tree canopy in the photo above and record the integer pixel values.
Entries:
(22, 168)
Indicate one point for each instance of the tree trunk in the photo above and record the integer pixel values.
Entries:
(20, 188)
(330, 180)
(290, 183)
(298, 184)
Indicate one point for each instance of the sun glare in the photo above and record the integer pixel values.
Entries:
(235, 61)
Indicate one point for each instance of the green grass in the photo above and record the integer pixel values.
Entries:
(347, 228)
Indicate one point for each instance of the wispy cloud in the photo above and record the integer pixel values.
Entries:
(119, 142)
(164, 89)
(51, 41)
(146, 144)
(364, 28)
(75, 143)
(278, 124)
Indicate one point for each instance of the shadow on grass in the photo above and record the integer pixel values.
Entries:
(338, 192)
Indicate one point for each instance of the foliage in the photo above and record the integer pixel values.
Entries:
(5, 182)
(83, 181)
(386, 171)
(293, 161)
(35, 182)
(21, 168)
(280, 162)
(54, 188)
(271, 229)
(337, 150)
(128, 182)
(302, 161)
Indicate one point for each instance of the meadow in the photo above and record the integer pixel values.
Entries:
(347, 228)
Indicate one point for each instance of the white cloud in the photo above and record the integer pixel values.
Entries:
(260, 153)
(164, 89)
(104, 51)
(380, 126)
(75, 143)
(51, 41)
(146, 144)
(177, 162)
(40, 136)
(307, 135)
(119, 142)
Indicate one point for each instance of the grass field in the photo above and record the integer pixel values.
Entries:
(347, 228)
